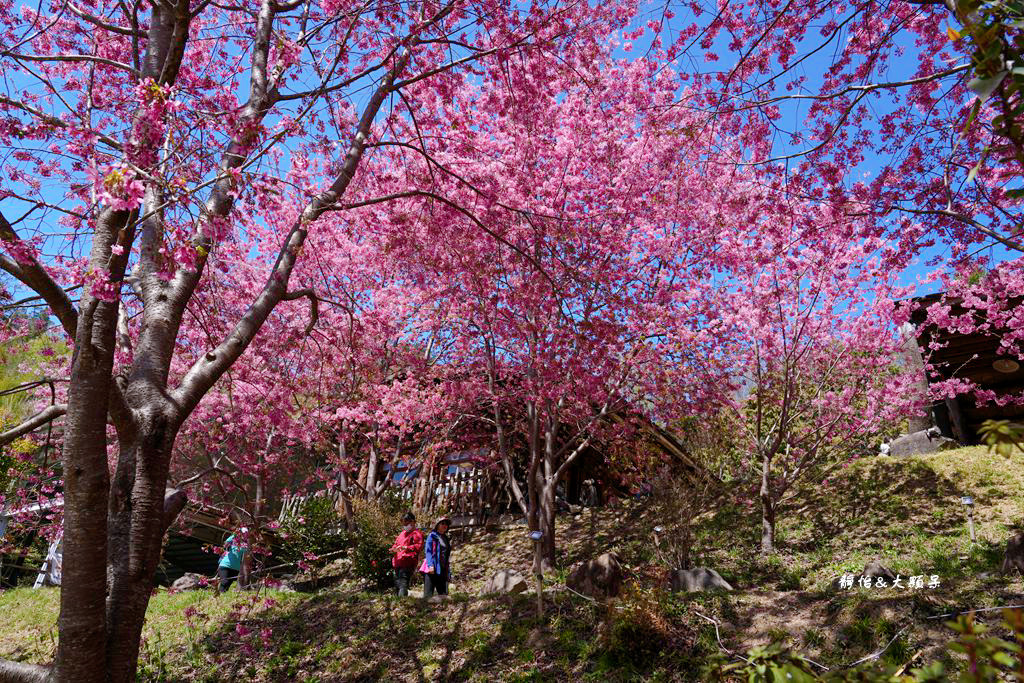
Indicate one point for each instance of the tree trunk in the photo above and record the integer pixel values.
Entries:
(82, 622)
(547, 525)
(346, 495)
(134, 573)
(767, 508)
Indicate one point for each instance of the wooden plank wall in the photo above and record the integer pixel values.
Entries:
(464, 493)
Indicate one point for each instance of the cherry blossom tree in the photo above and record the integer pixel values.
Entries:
(593, 200)
(143, 137)
(808, 313)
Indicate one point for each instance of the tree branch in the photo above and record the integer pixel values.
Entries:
(33, 423)
(208, 369)
(54, 121)
(73, 58)
(314, 306)
(32, 274)
(22, 672)
(96, 21)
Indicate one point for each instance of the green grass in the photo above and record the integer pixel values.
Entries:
(177, 625)
(904, 512)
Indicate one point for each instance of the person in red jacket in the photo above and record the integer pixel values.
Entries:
(407, 549)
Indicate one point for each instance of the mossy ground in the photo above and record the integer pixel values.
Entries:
(903, 512)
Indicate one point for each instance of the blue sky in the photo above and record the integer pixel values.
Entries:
(793, 112)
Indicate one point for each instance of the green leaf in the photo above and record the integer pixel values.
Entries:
(970, 117)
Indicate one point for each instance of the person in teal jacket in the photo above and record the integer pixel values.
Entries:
(233, 562)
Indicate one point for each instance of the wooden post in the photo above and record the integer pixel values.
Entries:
(957, 422)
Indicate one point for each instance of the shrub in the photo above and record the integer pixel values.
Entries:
(376, 526)
(680, 500)
(638, 631)
(315, 527)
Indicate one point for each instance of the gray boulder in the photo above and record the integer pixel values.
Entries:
(506, 581)
(1013, 558)
(189, 582)
(925, 441)
(600, 577)
(874, 569)
(697, 580)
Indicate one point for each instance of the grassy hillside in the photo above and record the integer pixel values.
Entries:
(904, 512)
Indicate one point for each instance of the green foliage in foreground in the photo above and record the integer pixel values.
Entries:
(990, 659)
(376, 526)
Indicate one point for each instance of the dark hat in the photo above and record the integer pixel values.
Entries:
(409, 517)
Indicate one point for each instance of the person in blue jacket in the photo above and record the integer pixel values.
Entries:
(436, 567)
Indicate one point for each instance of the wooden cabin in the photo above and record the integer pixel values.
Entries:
(461, 486)
(975, 357)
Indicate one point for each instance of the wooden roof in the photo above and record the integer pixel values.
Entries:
(666, 442)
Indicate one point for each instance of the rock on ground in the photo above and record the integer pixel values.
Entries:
(189, 582)
(600, 577)
(505, 581)
(925, 441)
(874, 569)
(698, 579)
(1013, 558)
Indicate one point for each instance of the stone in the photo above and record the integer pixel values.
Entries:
(600, 577)
(189, 582)
(506, 581)
(925, 441)
(1013, 558)
(698, 579)
(874, 569)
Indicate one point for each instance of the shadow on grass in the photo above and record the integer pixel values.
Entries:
(336, 636)
(873, 498)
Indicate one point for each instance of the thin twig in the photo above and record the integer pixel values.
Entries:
(970, 611)
(878, 654)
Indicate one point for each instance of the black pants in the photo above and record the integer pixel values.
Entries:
(226, 576)
(402, 578)
(434, 583)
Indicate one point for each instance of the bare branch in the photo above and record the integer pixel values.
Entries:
(32, 274)
(33, 423)
(314, 306)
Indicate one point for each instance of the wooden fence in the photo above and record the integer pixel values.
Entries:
(290, 505)
(467, 494)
